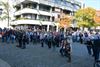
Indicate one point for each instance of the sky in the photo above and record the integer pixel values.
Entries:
(92, 3)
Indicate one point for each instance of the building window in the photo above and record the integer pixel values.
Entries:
(18, 17)
(58, 16)
(18, 8)
(68, 4)
(53, 8)
(44, 18)
(44, 8)
(53, 19)
(66, 11)
(34, 16)
(30, 5)
(30, 16)
(76, 6)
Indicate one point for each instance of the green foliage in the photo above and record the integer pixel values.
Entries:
(85, 17)
(6, 11)
(95, 25)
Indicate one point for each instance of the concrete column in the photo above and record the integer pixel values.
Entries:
(51, 18)
(51, 14)
(38, 11)
(21, 16)
(21, 9)
(37, 17)
(37, 7)
(21, 6)
(47, 28)
(70, 13)
(65, 27)
(50, 9)
(57, 28)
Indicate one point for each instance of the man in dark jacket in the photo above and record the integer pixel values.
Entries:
(96, 48)
(24, 41)
(19, 37)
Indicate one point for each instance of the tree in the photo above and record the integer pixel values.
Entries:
(97, 18)
(85, 17)
(65, 21)
(6, 12)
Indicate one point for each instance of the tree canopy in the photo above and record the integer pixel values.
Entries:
(85, 17)
(6, 11)
(65, 21)
(97, 18)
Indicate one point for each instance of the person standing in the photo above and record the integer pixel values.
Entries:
(89, 45)
(24, 41)
(42, 36)
(96, 43)
(66, 49)
(19, 37)
(81, 37)
(49, 40)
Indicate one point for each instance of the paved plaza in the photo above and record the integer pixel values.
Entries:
(36, 56)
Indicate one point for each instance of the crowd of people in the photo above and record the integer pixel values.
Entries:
(54, 39)
(92, 41)
(24, 37)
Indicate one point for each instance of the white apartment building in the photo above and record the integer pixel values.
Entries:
(42, 14)
(3, 23)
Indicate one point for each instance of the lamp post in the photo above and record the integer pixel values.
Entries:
(8, 12)
(1, 11)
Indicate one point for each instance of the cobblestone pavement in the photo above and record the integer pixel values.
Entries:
(36, 56)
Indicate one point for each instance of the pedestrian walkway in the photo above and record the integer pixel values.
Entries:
(36, 56)
(4, 64)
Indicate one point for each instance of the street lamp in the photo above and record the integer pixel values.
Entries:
(0, 11)
(8, 12)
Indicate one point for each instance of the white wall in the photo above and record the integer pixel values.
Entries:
(3, 24)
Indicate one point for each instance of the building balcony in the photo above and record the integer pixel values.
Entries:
(26, 10)
(32, 22)
(18, 2)
(25, 1)
(46, 2)
(44, 13)
(26, 22)
(66, 8)
(47, 23)
(37, 1)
